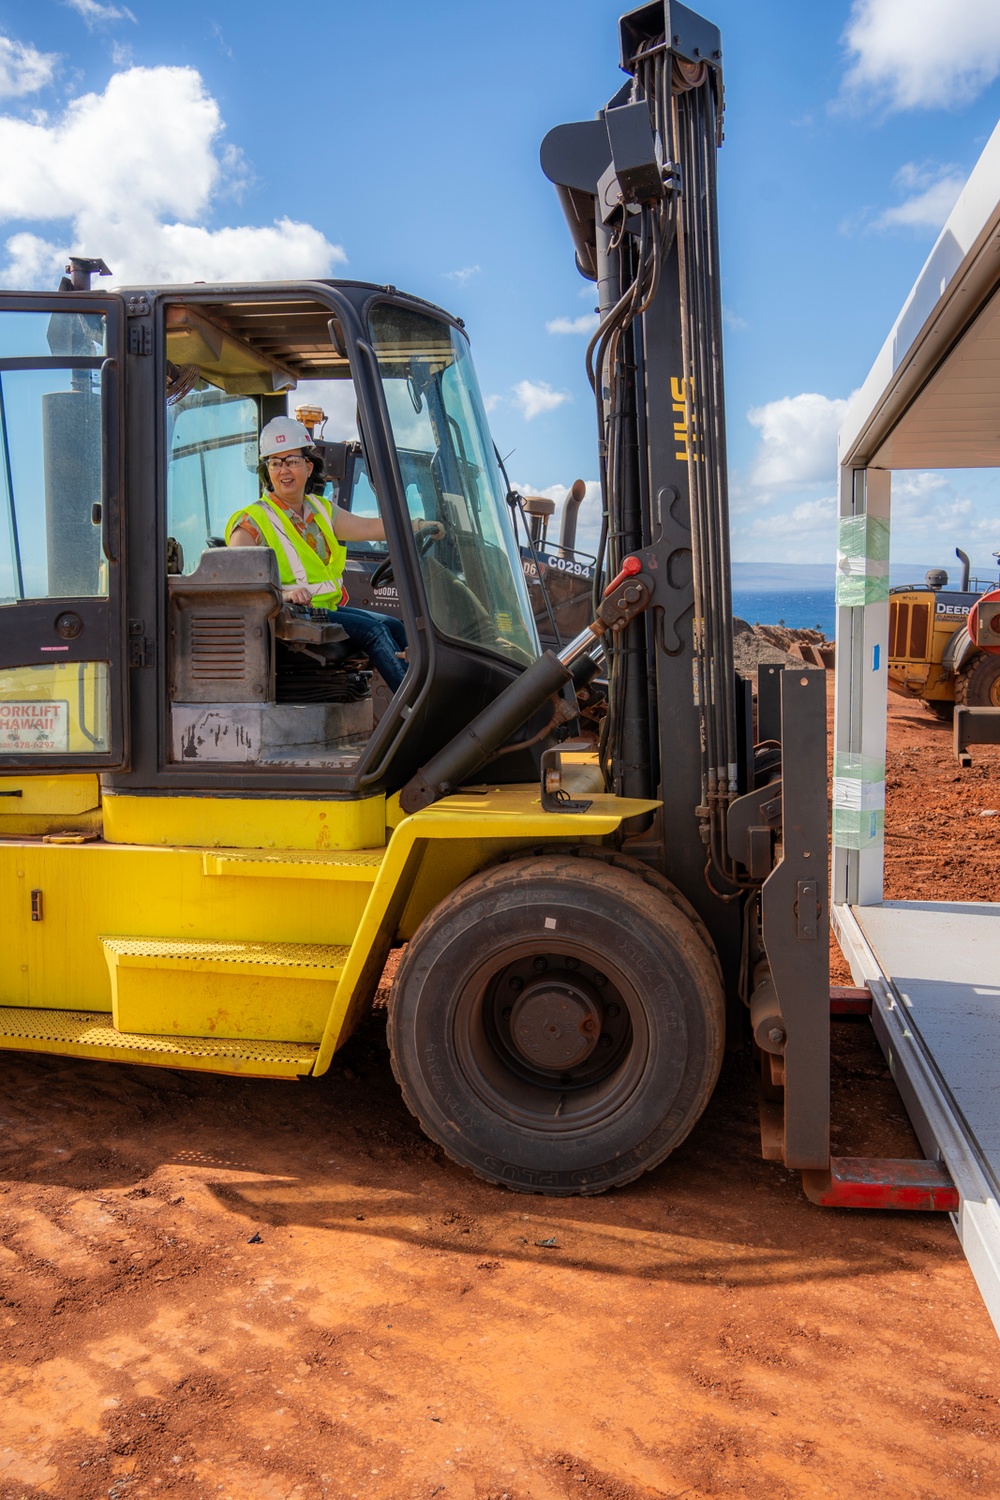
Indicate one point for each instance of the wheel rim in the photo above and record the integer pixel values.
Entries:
(550, 1041)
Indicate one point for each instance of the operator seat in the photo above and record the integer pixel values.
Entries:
(232, 639)
(220, 627)
(315, 662)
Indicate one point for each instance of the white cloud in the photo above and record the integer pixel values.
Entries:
(109, 151)
(490, 403)
(734, 321)
(911, 54)
(99, 15)
(585, 323)
(926, 504)
(933, 513)
(917, 485)
(803, 519)
(933, 192)
(224, 47)
(137, 193)
(23, 69)
(798, 439)
(805, 532)
(784, 510)
(338, 399)
(534, 397)
(462, 276)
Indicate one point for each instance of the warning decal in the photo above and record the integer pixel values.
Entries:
(26, 728)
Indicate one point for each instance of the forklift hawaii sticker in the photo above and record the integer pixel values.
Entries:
(33, 727)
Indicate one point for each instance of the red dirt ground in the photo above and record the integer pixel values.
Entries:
(266, 1291)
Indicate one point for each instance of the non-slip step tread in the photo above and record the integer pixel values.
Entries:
(331, 864)
(88, 1028)
(183, 951)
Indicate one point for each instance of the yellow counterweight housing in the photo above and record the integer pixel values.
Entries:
(234, 934)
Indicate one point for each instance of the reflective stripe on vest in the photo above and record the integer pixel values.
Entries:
(299, 566)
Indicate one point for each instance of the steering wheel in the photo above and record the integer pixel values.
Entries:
(426, 539)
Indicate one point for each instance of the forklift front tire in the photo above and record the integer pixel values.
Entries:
(556, 1025)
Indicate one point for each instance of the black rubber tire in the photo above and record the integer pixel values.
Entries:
(939, 708)
(658, 882)
(978, 684)
(632, 964)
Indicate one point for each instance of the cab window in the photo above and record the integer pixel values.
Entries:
(50, 456)
(212, 443)
(51, 492)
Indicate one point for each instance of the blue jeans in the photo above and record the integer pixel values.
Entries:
(379, 637)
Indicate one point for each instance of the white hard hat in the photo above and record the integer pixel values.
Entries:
(283, 435)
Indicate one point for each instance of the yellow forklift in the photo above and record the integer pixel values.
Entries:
(214, 831)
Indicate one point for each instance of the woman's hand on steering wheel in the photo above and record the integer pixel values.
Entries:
(426, 533)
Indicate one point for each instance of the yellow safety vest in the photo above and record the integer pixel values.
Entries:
(299, 566)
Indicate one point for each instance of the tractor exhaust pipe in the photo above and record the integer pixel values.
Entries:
(79, 269)
(963, 558)
(571, 507)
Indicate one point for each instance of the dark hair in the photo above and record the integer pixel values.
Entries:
(311, 483)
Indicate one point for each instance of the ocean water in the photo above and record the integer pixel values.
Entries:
(800, 609)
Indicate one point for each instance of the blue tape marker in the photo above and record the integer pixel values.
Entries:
(876, 655)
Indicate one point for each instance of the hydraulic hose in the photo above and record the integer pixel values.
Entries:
(474, 744)
(694, 129)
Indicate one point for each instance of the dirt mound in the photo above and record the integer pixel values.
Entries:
(757, 645)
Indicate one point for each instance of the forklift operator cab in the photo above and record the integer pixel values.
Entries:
(136, 644)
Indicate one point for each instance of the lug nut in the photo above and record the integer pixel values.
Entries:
(516, 984)
(507, 1012)
(540, 965)
(612, 1011)
(600, 979)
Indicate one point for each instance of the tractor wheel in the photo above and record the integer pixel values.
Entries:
(978, 684)
(556, 1025)
(939, 708)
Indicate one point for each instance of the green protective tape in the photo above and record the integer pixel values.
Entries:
(858, 800)
(862, 561)
(858, 767)
(857, 829)
(865, 537)
(854, 592)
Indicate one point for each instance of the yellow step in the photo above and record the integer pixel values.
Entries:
(339, 864)
(238, 990)
(91, 1034)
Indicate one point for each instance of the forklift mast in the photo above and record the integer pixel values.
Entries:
(638, 187)
(741, 828)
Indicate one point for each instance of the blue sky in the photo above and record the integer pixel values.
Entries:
(399, 142)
